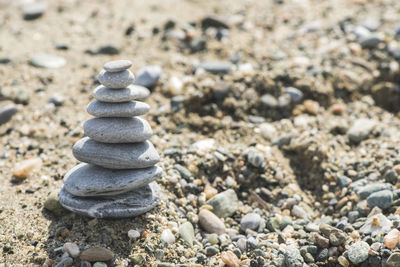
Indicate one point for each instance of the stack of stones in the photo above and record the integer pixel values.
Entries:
(118, 177)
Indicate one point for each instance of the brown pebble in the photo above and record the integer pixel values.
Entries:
(321, 241)
(311, 107)
(210, 191)
(210, 222)
(338, 109)
(96, 254)
(24, 168)
(392, 238)
(230, 259)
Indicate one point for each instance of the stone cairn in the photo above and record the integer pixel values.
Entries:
(118, 177)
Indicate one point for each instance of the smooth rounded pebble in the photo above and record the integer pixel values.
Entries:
(43, 60)
(132, 92)
(7, 112)
(97, 254)
(250, 221)
(116, 156)
(126, 109)
(358, 252)
(116, 80)
(118, 130)
(72, 249)
(130, 204)
(117, 65)
(91, 180)
(210, 222)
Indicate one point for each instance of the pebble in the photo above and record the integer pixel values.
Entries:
(210, 222)
(125, 109)
(96, 254)
(104, 50)
(293, 257)
(376, 225)
(118, 130)
(299, 212)
(269, 101)
(186, 232)
(131, 204)
(360, 130)
(358, 252)
(367, 190)
(132, 92)
(52, 204)
(216, 67)
(91, 180)
(34, 10)
(175, 86)
(382, 199)
(133, 234)
(225, 203)
(25, 168)
(7, 112)
(116, 156)
(268, 131)
(392, 238)
(255, 157)
(72, 249)
(295, 94)
(57, 99)
(99, 264)
(250, 221)
(230, 259)
(393, 260)
(167, 236)
(213, 22)
(148, 76)
(370, 41)
(116, 80)
(43, 60)
(117, 65)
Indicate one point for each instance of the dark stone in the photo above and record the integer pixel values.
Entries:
(208, 22)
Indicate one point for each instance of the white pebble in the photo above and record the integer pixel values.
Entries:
(175, 86)
(133, 235)
(72, 249)
(167, 236)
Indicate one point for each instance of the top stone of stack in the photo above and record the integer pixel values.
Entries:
(116, 74)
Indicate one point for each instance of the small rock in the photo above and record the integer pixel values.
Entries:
(210, 222)
(186, 232)
(225, 203)
(117, 65)
(358, 252)
(393, 260)
(250, 221)
(293, 257)
(367, 190)
(167, 236)
(104, 50)
(370, 41)
(72, 249)
(116, 80)
(53, 205)
(360, 130)
(148, 76)
(57, 99)
(96, 254)
(175, 86)
(392, 239)
(213, 22)
(382, 199)
(269, 101)
(299, 212)
(268, 131)
(47, 61)
(295, 94)
(216, 67)
(24, 168)
(34, 10)
(230, 259)
(99, 264)
(255, 157)
(7, 112)
(376, 225)
(133, 234)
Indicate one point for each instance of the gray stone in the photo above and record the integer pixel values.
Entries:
(186, 232)
(91, 180)
(132, 203)
(118, 130)
(393, 260)
(250, 221)
(370, 41)
(367, 190)
(109, 49)
(210, 222)
(269, 101)
(34, 10)
(148, 76)
(116, 80)
(361, 129)
(382, 199)
(116, 156)
(7, 112)
(117, 65)
(57, 99)
(42, 60)
(293, 257)
(225, 203)
(125, 109)
(295, 94)
(358, 252)
(255, 157)
(216, 67)
(132, 92)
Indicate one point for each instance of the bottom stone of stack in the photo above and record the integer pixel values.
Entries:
(129, 204)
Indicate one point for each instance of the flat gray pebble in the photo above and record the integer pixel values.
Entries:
(117, 65)
(116, 80)
(7, 112)
(126, 109)
(118, 130)
(34, 10)
(382, 199)
(116, 156)
(148, 76)
(91, 180)
(225, 203)
(132, 92)
(130, 204)
(43, 60)
(250, 221)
